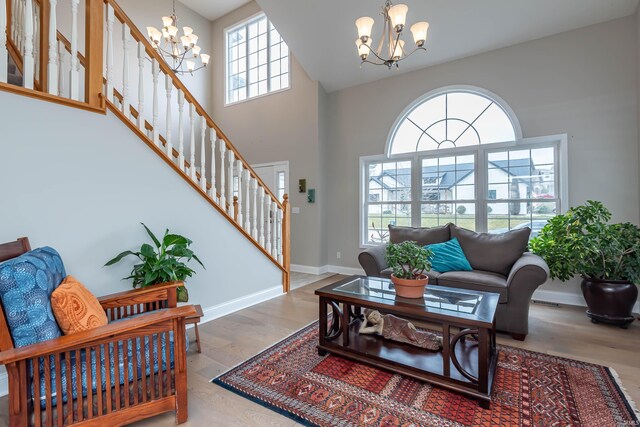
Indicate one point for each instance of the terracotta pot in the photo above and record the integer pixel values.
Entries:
(410, 288)
(609, 301)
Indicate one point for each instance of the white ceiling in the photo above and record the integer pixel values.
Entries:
(213, 9)
(322, 34)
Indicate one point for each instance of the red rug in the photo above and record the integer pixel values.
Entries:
(531, 389)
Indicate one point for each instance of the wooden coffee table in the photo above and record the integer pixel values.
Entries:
(467, 362)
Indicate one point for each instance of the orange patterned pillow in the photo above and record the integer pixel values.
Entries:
(76, 309)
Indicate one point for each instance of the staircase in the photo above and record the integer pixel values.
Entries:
(38, 60)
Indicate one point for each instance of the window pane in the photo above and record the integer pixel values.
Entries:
(379, 216)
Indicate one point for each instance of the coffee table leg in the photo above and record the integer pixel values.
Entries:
(346, 319)
(322, 317)
(484, 359)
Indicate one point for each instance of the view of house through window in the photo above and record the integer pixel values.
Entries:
(486, 180)
(257, 61)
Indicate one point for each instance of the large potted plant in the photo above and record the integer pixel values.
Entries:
(607, 256)
(167, 262)
(410, 263)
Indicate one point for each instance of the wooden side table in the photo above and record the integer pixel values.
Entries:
(194, 320)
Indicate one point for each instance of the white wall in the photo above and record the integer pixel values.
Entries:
(82, 182)
(583, 83)
(278, 127)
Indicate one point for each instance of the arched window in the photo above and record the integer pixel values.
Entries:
(454, 117)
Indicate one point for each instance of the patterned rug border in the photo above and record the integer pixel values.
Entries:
(613, 376)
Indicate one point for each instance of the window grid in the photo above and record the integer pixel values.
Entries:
(257, 60)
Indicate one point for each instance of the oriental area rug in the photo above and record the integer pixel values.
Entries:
(531, 389)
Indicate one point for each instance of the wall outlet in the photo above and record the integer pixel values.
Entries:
(338, 255)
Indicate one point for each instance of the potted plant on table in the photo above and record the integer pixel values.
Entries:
(167, 262)
(607, 256)
(410, 263)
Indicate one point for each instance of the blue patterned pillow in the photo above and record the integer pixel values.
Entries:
(448, 256)
(26, 284)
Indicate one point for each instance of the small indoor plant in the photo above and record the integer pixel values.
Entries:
(167, 262)
(409, 263)
(607, 256)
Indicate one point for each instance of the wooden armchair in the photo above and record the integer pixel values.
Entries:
(130, 369)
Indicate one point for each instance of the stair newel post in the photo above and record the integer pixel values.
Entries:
(268, 220)
(261, 194)
(254, 210)
(223, 187)
(169, 120)
(230, 164)
(52, 30)
(241, 182)
(285, 243)
(110, 21)
(3, 42)
(235, 208)
(275, 226)
(203, 154)
(74, 77)
(247, 200)
(212, 139)
(141, 59)
(279, 218)
(94, 50)
(126, 37)
(155, 71)
(192, 141)
(28, 63)
(181, 130)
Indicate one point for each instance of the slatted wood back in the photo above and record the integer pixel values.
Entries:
(8, 251)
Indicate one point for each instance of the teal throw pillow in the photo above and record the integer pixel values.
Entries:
(448, 256)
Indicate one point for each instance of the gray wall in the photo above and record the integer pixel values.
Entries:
(582, 83)
(278, 127)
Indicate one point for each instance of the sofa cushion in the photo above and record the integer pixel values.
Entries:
(76, 308)
(492, 252)
(476, 280)
(448, 256)
(432, 275)
(422, 235)
(26, 284)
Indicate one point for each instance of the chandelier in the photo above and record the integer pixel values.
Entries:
(395, 17)
(181, 52)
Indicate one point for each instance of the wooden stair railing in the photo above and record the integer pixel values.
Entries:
(229, 183)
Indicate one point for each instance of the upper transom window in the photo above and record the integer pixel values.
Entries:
(450, 119)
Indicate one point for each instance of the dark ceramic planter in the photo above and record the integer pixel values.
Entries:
(610, 301)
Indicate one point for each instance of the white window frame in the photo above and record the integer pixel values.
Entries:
(481, 153)
(245, 23)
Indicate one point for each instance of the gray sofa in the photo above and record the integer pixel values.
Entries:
(500, 263)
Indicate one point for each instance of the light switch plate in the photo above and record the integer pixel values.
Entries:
(295, 210)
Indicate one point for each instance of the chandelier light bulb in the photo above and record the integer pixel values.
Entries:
(364, 25)
(172, 30)
(194, 39)
(191, 65)
(151, 31)
(167, 21)
(186, 41)
(196, 51)
(419, 31)
(363, 48)
(398, 51)
(205, 59)
(398, 16)
(187, 31)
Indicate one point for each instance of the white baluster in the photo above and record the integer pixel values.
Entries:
(247, 201)
(20, 26)
(274, 225)
(231, 161)
(192, 142)
(14, 19)
(74, 77)
(155, 71)
(254, 210)
(36, 39)
(181, 130)
(279, 229)
(203, 154)
(126, 37)
(223, 188)
(61, 51)
(169, 146)
(212, 137)
(110, 21)
(28, 64)
(268, 223)
(52, 66)
(261, 216)
(241, 181)
(4, 62)
(141, 61)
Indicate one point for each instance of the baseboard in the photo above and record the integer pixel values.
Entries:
(216, 311)
(308, 269)
(349, 271)
(566, 298)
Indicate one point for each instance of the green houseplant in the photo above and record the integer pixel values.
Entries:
(607, 256)
(167, 262)
(409, 263)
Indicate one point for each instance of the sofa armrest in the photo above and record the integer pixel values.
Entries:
(373, 260)
(529, 271)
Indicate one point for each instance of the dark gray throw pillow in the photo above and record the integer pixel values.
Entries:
(422, 235)
(492, 252)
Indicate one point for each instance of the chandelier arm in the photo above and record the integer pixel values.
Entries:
(375, 54)
(412, 52)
